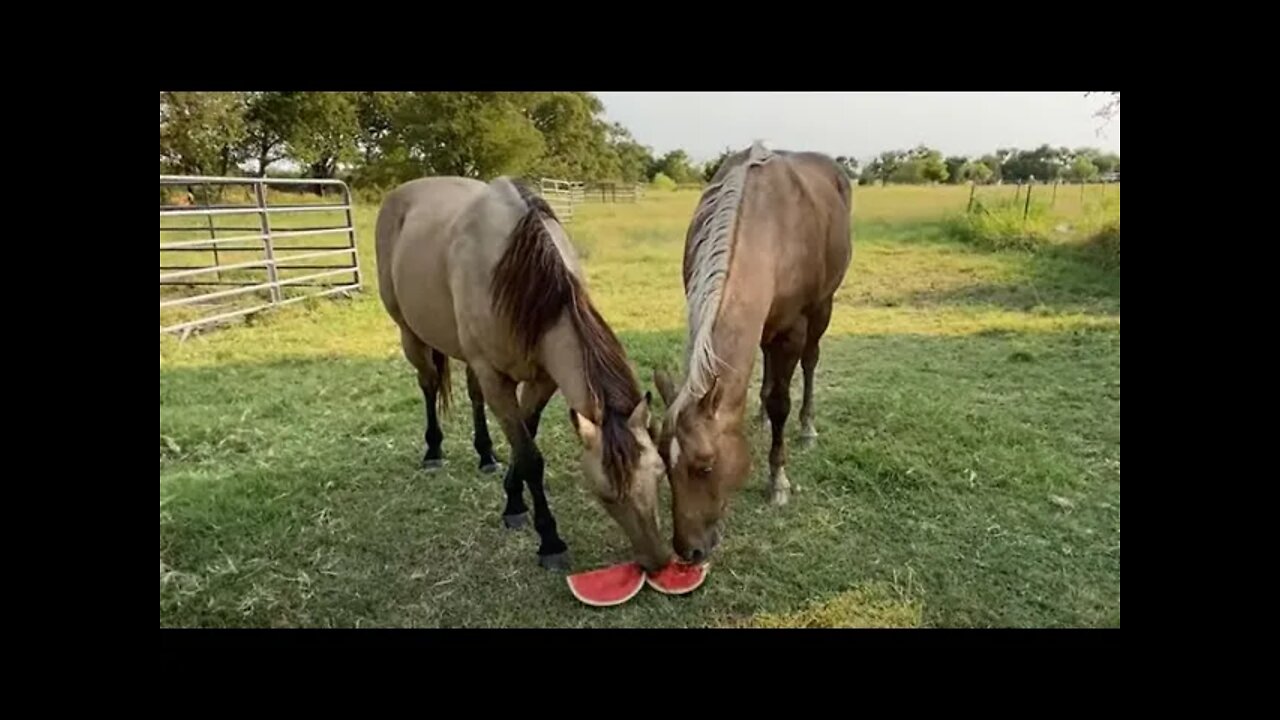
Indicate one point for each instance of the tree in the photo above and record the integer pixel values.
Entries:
(634, 159)
(920, 165)
(1107, 163)
(884, 165)
(575, 140)
(1082, 169)
(1111, 108)
(933, 167)
(1044, 164)
(955, 167)
(675, 165)
(849, 165)
(993, 164)
(201, 133)
(271, 121)
(910, 172)
(327, 132)
(711, 167)
(375, 117)
(978, 172)
(470, 134)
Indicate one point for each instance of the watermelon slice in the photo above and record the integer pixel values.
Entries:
(609, 586)
(678, 578)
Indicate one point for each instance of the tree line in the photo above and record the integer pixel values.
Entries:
(383, 138)
(1045, 164)
(379, 139)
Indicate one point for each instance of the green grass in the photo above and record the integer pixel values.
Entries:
(967, 473)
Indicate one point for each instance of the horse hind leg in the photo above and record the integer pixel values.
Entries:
(483, 443)
(429, 381)
(818, 322)
(764, 388)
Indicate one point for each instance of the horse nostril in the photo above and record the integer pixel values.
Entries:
(696, 555)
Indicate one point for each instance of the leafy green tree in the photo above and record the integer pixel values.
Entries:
(978, 172)
(201, 133)
(634, 159)
(711, 167)
(270, 122)
(849, 165)
(470, 134)
(676, 166)
(327, 132)
(1081, 170)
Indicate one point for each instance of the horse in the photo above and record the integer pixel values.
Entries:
(485, 273)
(767, 248)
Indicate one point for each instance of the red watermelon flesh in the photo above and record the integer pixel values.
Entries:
(608, 586)
(678, 578)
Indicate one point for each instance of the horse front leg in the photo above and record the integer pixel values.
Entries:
(784, 353)
(527, 465)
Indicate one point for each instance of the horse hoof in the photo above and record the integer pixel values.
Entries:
(515, 522)
(432, 463)
(780, 497)
(491, 468)
(808, 441)
(558, 562)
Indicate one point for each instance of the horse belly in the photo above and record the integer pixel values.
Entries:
(422, 293)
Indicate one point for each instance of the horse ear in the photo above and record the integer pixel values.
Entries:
(640, 416)
(666, 389)
(587, 431)
(710, 402)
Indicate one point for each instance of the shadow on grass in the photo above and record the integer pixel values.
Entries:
(977, 475)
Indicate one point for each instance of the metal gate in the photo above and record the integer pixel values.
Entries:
(223, 232)
(561, 196)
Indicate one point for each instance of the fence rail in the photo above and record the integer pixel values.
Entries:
(613, 192)
(565, 195)
(257, 266)
(561, 195)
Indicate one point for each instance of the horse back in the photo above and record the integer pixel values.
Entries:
(797, 219)
(414, 231)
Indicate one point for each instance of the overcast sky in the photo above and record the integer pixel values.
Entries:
(861, 124)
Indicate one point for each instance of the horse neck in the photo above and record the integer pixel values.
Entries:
(744, 308)
(560, 354)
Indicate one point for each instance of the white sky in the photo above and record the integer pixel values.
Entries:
(861, 124)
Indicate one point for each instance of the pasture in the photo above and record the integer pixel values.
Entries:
(967, 472)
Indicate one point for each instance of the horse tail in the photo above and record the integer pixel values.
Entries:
(441, 362)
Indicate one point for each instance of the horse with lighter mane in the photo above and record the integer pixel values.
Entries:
(768, 246)
(486, 274)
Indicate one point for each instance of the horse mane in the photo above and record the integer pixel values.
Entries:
(531, 287)
(711, 242)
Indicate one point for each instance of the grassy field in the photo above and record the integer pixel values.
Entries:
(967, 473)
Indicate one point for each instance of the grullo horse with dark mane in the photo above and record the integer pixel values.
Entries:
(486, 274)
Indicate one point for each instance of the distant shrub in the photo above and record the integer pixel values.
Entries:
(1002, 227)
(1104, 245)
(662, 182)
